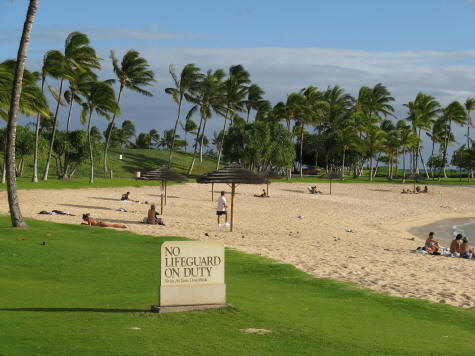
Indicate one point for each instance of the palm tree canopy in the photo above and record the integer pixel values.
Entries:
(376, 101)
(99, 97)
(133, 72)
(79, 53)
(455, 112)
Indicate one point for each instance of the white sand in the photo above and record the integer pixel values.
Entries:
(376, 255)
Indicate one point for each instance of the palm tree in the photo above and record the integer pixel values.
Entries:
(133, 73)
(374, 140)
(189, 128)
(234, 93)
(100, 97)
(208, 99)
(254, 98)
(312, 107)
(13, 202)
(469, 106)
(375, 102)
(436, 135)
(153, 136)
(185, 87)
(348, 138)
(453, 112)
(78, 54)
(406, 139)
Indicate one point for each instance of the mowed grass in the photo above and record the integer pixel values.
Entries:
(133, 160)
(88, 291)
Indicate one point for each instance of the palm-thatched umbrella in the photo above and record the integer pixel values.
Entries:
(164, 174)
(330, 175)
(416, 177)
(232, 174)
(268, 175)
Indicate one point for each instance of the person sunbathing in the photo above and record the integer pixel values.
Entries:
(432, 245)
(93, 222)
(426, 190)
(125, 197)
(418, 189)
(455, 245)
(405, 191)
(263, 195)
(466, 251)
(314, 190)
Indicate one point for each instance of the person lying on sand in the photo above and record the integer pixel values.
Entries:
(125, 197)
(466, 251)
(314, 190)
(93, 222)
(432, 245)
(455, 245)
(263, 195)
(405, 191)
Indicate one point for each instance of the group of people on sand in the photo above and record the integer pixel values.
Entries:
(314, 190)
(418, 190)
(151, 218)
(459, 247)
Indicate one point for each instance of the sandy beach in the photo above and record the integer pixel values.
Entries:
(378, 254)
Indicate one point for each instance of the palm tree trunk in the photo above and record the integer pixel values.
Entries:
(445, 148)
(4, 170)
(174, 132)
(377, 165)
(222, 139)
(64, 170)
(37, 131)
(195, 148)
(301, 152)
(202, 139)
(13, 202)
(109, 134)
(371, 166)
(55, 124)
(432, 156)
(343, 165)
(423, 163)
(91, 159)
(404, 164)
(417, 153)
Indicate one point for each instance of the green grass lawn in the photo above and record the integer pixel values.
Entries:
(87, 290)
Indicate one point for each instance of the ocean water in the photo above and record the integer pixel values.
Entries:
(445, 230)
(467, 229)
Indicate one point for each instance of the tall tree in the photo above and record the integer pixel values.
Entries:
(185, 87)
(234, 94)
(133, 73)
(78, 54)
(207, 100)
(469, 106)
(254, 98)
(100, 97)
(13, 201)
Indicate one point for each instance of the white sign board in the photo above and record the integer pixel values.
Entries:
(192, 273)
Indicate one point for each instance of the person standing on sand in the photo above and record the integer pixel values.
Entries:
(455, 245)
(221, 210)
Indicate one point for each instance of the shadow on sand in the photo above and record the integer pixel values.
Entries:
(87, 206)
(100, 198)
(61, 310)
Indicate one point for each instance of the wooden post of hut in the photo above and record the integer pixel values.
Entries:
(165, 192)
(233, 190)
(161, 198)
(212, 191)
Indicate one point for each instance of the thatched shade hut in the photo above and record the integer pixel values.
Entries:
(164, 174)
(416, 177)
(330, 175)
(268, 175)
(232, 174)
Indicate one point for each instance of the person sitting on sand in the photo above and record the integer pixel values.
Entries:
(432, 245)
(426, 190)
(455, 245)
(125, 197)
(263, 195)
(152, 216)
(93, 222)
(418, 189)
(466, 251)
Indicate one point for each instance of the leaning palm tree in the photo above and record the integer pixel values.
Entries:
(469, 106)
(13, 202)
(189, 128)
(99, 97)
(78, 54)
(185, 87)
(133, 73)
(32, 99)
(375, 102)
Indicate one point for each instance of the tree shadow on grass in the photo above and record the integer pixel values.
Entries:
(94, 310)
(87, 206)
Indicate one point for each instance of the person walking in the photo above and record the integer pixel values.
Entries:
(221, 210)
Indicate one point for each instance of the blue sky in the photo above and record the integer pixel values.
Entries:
(409, 46)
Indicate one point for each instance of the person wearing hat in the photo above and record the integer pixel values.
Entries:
(455, 245)
(466, 250)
